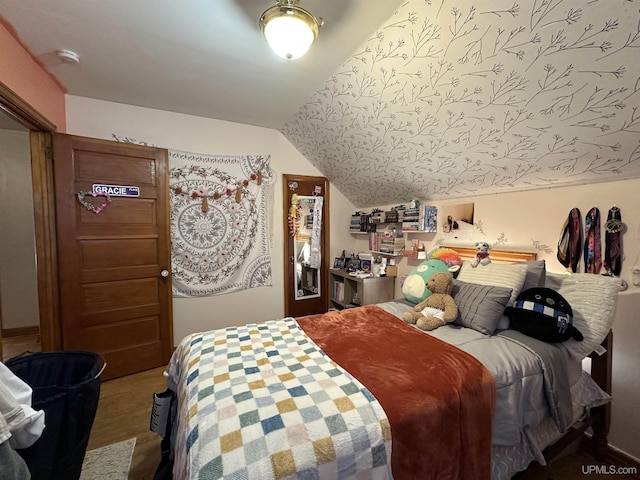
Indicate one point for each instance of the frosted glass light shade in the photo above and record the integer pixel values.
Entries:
(289, 30)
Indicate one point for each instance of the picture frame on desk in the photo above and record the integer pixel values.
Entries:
(339, 263)
(365, 266)
(353, 264)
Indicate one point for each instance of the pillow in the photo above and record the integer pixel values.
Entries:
(414, 287)
(544, 314)
(497, 274)
(593, 299)
(536, 271)
(479, 306)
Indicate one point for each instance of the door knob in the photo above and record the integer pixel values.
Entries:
(164, 273)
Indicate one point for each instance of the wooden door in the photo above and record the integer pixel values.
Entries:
(304, 293)
(114, 266)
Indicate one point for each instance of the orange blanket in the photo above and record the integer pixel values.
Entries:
(439, 399)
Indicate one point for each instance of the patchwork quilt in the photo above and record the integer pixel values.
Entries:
(262, 401)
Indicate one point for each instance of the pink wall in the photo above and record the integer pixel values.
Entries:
(22, 74)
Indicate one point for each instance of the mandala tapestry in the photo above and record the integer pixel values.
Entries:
(220, 238)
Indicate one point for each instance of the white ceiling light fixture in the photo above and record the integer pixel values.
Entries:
(289, 29)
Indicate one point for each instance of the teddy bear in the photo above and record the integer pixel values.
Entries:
(437, 309)
(482, 254)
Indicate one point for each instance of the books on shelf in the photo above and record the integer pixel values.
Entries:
(361, 223)
(391, 216)
(354, 226)
(338, 291)
(385, 242)
(374, 241)
(411, 219)
(420, 219)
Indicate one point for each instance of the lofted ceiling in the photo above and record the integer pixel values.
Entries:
(399, 99)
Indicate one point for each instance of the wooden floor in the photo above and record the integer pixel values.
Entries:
(123, 413)
(13, 346)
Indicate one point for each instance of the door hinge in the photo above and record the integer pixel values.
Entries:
(48, 153)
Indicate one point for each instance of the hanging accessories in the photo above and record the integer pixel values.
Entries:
(90, 206)
(614, 228)
(592, 242)
(293, 217)
(570, 243)
(238, 192)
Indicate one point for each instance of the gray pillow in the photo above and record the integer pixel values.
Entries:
(536, 272)
(480, 306)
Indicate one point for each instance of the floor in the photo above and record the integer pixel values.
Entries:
(123, 412)
(13, 346)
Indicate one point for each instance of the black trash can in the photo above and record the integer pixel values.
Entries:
(66, 385)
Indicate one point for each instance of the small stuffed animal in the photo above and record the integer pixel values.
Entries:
(439, 308)
(482, 254)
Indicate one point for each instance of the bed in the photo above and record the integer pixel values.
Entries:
(359, 393)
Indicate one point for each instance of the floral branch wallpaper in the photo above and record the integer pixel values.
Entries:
(452, 98)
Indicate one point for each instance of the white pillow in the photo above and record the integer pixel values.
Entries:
(497, 274)
(593, 299)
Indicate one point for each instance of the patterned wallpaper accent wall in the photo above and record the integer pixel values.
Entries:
(452, 98)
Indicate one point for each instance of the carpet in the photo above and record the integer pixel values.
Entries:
(111, 462)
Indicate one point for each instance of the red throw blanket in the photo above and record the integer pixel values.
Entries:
(439, 399)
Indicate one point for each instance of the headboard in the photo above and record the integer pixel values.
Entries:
(497, 256)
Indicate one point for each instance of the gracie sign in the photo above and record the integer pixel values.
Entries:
(117, 190)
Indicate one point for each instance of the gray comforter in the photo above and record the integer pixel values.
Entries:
(532, 377)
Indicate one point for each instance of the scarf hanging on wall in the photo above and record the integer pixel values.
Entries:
(592, 243)
(613, 242)
(570, 243)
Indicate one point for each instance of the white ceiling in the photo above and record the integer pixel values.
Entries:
(398, 99)
(200, 57)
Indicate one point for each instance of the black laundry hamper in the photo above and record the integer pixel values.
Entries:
(66, 385)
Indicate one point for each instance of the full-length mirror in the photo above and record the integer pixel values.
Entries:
(308, 211)
(306, 224)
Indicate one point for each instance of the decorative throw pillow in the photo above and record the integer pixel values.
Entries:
(543, 313)
(497, 274)
(593, 299)
(414, 287)
(479, 306)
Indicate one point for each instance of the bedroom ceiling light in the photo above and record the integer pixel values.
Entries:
(289, 29)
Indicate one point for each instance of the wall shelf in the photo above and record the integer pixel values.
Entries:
(387, 254)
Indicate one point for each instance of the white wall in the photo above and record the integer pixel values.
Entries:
(18, 280)
(99, 119)
(532, 220)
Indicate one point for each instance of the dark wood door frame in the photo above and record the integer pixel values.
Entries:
(43, 210)
(289, 293)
